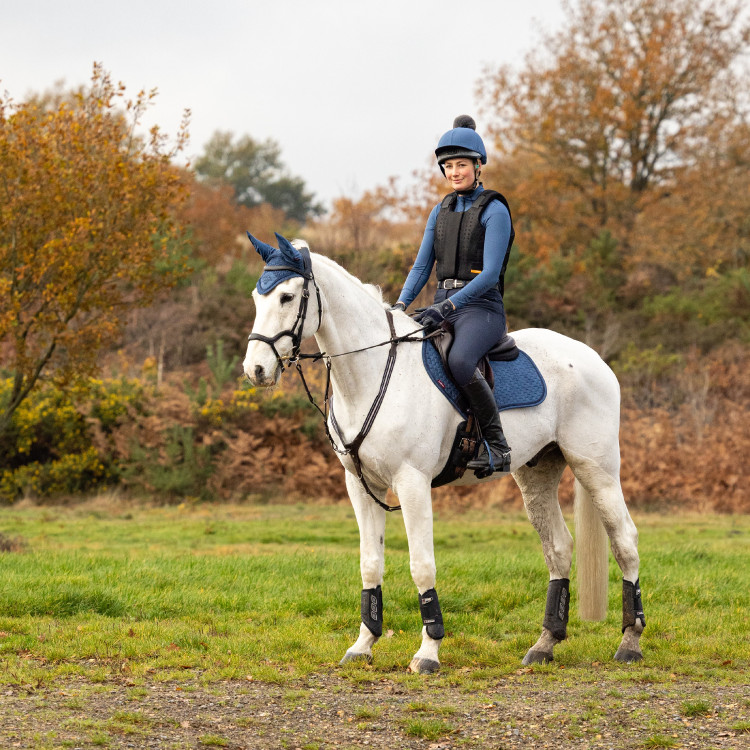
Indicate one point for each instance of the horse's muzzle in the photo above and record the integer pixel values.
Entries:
(258, 376)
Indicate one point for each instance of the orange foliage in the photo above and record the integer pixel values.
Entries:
(377, 219)
(700, 227)
(603, 126)
(214, 220)
(86, 229)
(684, 456)
(691, 455)
(688, 457)
(218, 223)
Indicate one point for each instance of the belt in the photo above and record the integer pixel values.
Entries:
(458, 284)
(452, 284)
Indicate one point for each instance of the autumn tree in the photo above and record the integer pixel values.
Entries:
(214, 306)
(623, 98)
(703, 220)
(217, 223)
(257, 174)
(86, 227)
(616, 141)
(375, 235)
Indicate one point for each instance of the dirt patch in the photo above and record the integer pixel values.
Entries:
(331, 711)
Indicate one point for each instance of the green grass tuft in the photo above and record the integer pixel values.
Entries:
(428, 729)
(661, 740)
(213, 740)
(695, 708)
(367, 712)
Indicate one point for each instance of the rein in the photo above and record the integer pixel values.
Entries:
(295, 333)
(352, 448)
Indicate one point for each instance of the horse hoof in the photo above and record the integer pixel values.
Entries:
(628, 656)
(350, 656)
(423, 666)
(537, 657)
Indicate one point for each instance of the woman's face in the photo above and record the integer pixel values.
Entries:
(460, 173)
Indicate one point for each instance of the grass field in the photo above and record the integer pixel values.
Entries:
(100, 600)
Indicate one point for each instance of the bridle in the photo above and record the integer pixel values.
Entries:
(295, 333)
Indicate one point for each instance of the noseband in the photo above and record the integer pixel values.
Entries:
(295, 332)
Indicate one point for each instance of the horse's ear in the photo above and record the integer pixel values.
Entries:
(289, 251)
(265, 251)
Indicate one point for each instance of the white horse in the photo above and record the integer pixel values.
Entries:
(410, 437)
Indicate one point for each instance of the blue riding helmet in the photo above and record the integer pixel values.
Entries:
(462, 140)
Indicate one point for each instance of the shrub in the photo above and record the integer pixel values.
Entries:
(59, 441)
(645, 374)
(180, 468)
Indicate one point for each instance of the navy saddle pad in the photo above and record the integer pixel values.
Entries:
(518, 383)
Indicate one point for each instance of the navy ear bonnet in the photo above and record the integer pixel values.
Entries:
(281, 264)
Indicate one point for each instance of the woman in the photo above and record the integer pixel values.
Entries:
(468, 235)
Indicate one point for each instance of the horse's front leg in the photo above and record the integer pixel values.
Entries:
(414, 493)
(371, 521)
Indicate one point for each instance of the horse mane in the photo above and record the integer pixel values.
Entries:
(371, 289)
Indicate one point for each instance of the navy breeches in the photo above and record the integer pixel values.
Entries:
(477, 327)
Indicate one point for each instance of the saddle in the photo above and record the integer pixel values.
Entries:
(467, 438)
(505, 350)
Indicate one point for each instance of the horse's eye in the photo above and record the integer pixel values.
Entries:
(286, 298)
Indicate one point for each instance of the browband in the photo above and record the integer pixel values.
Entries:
(305, 274)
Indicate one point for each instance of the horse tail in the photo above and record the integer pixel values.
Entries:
(591, 556)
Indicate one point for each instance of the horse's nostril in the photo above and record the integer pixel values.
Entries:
(259, 374)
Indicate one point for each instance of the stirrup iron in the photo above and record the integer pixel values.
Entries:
(484, 468)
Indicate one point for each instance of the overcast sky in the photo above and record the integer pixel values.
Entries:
(353, 92)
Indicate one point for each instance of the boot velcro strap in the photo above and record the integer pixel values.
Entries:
(432, 617)
(372, 610)
(632, 607)
(557, 607)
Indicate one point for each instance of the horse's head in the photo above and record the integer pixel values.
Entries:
(285, 310)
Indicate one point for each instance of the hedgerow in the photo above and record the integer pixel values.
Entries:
(171, 441)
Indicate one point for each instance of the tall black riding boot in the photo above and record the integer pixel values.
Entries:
(482, 403)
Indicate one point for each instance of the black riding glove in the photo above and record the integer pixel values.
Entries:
(434, 315)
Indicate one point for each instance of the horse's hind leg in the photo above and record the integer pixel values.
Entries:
(602, 488)
(539, 485)
(371, 522)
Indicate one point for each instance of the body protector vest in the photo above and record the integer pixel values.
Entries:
(459, 239)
